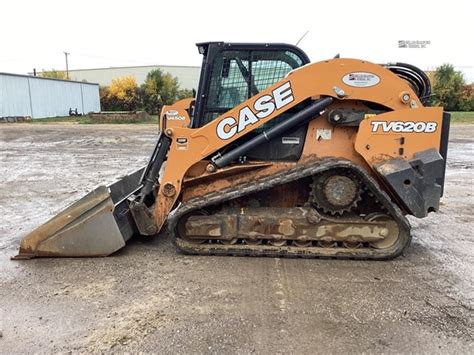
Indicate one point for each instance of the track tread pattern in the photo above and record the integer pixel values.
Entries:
(300, 171)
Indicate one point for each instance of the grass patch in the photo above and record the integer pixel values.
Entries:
(88, 120)
(67, 119)
(462, 117)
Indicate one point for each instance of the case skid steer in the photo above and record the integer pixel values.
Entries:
(275, 156)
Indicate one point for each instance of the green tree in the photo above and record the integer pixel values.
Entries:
(170, 89)
(53, 74)
(467, 98)
(105, 99)
(448, 87)
(184, 94)
(151, 92)
(159, 89)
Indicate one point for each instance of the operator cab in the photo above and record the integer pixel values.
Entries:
(231, 73)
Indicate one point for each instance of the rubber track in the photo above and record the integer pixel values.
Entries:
(266, 182)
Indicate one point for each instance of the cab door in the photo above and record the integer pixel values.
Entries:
(235, 74)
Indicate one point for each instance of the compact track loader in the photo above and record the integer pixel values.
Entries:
(274, 157)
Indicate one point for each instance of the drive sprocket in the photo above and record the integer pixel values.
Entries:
(335, 192)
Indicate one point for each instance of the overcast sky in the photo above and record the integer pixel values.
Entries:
(105, 33)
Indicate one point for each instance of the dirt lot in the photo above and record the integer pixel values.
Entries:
(150, 298)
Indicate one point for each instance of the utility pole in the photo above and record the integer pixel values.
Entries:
(67, 67)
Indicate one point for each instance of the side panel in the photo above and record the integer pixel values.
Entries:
(399, 134)
(53, 98)
(90, 98)
(324, 140)
(14, 96)
(42, 97)
(406, 148)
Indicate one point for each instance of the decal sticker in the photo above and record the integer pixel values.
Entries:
(181, 143)
(173, 115)
(404, 127)
(263, 107)
(290, 140)
(361, 79)
(323, 134)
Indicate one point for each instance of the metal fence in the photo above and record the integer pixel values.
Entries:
(36, 97)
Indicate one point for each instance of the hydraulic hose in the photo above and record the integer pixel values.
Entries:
(416, 77)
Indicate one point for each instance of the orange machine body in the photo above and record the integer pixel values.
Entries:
(368, 144)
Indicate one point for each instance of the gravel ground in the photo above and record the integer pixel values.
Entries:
(150, 298)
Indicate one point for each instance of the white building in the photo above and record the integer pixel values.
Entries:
(37, 97)
(188, 76)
